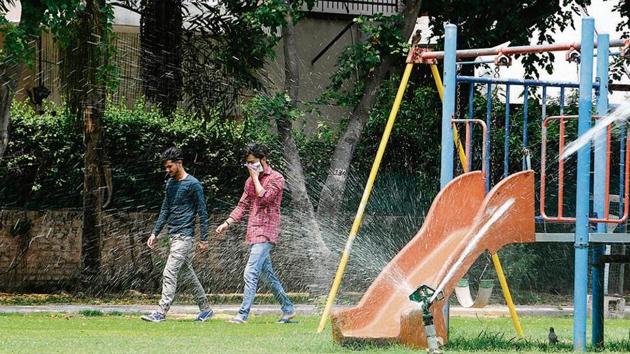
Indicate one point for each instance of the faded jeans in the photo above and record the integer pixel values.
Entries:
(181, 252)
(259, 266)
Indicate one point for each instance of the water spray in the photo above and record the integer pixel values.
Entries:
(425, 296)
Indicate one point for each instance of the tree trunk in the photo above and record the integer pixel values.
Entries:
(332, 192)
(9, 74)
(161, 48)
(302, 207)
(92, 201)
(87, 99)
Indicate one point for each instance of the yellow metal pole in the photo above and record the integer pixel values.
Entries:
(458, 142)
(358, 219)
(495, 258)
(506, 294)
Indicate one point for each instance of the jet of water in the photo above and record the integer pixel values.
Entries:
(471, 245)
(620, 114)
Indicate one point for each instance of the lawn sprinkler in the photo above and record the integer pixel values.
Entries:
(424, 295)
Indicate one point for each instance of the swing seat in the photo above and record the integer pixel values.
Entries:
(462, 292)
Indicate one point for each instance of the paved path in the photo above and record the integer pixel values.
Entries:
(226, 310)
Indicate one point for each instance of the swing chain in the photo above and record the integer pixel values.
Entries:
(488, 261)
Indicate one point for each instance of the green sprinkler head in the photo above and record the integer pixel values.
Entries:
(423, 295)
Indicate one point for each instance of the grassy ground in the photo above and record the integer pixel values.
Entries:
(135, 297)
(91, 332)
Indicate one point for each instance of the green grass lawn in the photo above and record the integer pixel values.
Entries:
(91, 333)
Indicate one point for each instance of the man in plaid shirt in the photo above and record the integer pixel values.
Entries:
(261, 200)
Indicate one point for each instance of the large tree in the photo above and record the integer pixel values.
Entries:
(373, 77)
(86, 75)
(201, 53)
(490, 23)
(161, 52)
(302, 207)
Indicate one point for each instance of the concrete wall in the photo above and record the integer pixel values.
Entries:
(313, 35)
(48, 256)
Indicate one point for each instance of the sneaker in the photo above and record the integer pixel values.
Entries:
(203, 316)
(238, 319)
(286, 317)
(154, 317)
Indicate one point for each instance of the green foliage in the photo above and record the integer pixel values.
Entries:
(356, 62)
(485, 23)
(87, 68)
(43, 164)
(263, 108)
(91, 313)
(619, 65)
(36, 16)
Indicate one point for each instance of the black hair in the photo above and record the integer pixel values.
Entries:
(258, 150)
(172, 154)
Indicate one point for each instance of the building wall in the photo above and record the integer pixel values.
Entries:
(49, 255)
(314, 34)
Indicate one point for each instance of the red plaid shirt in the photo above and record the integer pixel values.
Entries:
(264, 211)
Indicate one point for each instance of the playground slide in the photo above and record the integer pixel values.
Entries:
(458, 228)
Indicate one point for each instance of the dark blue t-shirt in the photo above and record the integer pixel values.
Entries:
(183, 200)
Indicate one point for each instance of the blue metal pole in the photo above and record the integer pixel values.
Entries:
(544, 102)
(489, 126)
(521, 82)
(583, 188)
(448, 106)
(599, 195)
(471, 103)
(561, 101)
(448, 112)
(622, 166)
(525, 116)
(506, 143)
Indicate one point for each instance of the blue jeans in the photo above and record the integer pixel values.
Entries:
(259, 266)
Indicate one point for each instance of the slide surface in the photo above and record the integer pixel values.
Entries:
(460, 225)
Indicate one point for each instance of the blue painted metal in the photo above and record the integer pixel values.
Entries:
(599, 195)
(521, 82)
(506, 143)
(488, 134)
(525, 117)
(583, 188)
(561, 101)
(448, 112)
(471, 102)
(544, 102)
(448, 106)
(622, 166)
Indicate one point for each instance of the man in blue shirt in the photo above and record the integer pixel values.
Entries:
(184, 200)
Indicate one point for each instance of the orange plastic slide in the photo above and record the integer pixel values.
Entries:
(461, 224)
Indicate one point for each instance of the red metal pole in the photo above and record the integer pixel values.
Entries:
(424, 56)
